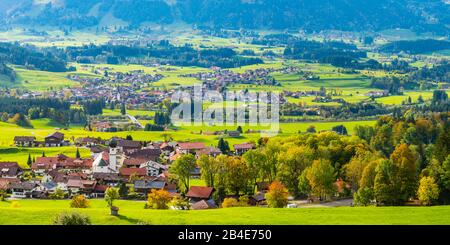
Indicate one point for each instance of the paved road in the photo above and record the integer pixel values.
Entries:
(135, 121)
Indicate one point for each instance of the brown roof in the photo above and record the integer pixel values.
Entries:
(134, 161)
(57, 135)
(146, 153)
(209, 151)
(9, 168)
(131, 171)
(191, 146)
(200, 192)
(244, 146)
(24, 138)
(82, 184)
(129, 143)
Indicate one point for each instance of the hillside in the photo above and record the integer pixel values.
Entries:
(350, 15)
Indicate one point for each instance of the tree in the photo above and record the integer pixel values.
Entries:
(428, 191)
(123, 109)
(277, 196)
(254, 160)
(182, 168)
(78, 155)
(223, 146)
(239, 129)
(387, 186)
(363, 197)
(230, 203)
(236, 175)
(321, 177)
(292, 164)
(79, 201)
(123, 190)
(29, 161)
(112, 194)
(158, 199)
(311, 129)
(382, 139)
(208, 168)
(405, 162)
(340, 129)
(58, 194)
(129, 137)
(43, 154)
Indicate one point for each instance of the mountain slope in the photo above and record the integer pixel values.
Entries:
(355, 15)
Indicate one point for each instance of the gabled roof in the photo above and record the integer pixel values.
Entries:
(130, 171)
(57, 135)
(202, 192)
(24, 138)
(9, 168)
(150, 153)
(204, 205)
(144, 184)
(191, 146)
(134, 161)
(244, 146)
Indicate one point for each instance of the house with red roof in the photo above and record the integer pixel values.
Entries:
(190, 147)
(198, 193)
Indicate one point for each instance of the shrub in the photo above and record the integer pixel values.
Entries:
(71, 219)
(2, 195)
(277, 197)
(363, 197)
(230, 202)
(58, 194)
(179, 203)
(158, 199)
(79, 201)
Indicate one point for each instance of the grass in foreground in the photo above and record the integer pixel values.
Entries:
(132, 212)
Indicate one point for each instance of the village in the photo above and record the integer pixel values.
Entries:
(140, 167)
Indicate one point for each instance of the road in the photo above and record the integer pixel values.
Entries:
(135, 121)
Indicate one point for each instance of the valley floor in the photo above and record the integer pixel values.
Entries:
(42, 212)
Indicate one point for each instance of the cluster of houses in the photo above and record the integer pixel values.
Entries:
(121, 162)
(221, 78)
(55, 139)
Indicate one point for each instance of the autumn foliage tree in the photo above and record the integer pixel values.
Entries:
(158, 199)
(277, 196)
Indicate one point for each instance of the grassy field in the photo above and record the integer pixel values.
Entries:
(132, 212)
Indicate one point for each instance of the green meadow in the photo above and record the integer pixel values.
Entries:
(38, 212)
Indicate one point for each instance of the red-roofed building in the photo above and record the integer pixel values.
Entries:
(125, 173)
(198, 193)
(190, 147)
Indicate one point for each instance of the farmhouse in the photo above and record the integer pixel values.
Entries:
(10, 169)
(55, 139)
(79, 186)
(209, 151)
(22, 189)
(153, 168)
(24, 141)
(240, 149)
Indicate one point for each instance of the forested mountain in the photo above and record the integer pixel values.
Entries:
(313, 15)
